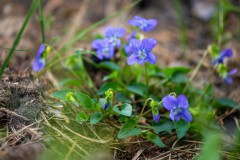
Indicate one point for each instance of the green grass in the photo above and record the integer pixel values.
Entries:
(19, 35)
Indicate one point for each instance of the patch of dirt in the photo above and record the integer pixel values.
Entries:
(20, 104)
(21, 94)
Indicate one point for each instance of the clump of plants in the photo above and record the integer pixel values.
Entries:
(137, 96)
(132, 94)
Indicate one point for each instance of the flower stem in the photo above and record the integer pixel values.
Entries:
(145, 104)
(146, 77)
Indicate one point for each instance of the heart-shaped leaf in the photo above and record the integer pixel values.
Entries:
(82, 117)
(125, 109)
(181, 127)
(128, 129)
(96, 117)
(155, 139)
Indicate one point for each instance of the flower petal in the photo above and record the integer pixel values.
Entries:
(186, 115)
(135, 45)
(169, 102)
(38, 64)
(109, 31)
(171, 115)
(149, 44)
(119, 32)
(96, 43)
(139, 18)
(152, 58)
(228, 80)
(174, 117)
(156, 117)
(226, 53)
(232, 72)
(40, 51)
(100, 55)
(152, 22)
(132, 36)
(182, 101)
(118, 43)
(110, 52)
(132, 59)
(142, 61)
(134, 22)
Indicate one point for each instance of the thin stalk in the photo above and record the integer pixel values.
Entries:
(146, 77)
(18, 50)
(42, 21)
(148, 111)
(199, 65)
(195, 71)
(144, 106)
(19, 35)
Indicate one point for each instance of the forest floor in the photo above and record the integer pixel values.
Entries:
(176, 47)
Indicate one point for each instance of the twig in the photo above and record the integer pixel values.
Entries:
(84, 137)
(199, 65)
(70, 151)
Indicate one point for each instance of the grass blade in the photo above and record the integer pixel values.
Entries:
(42, 21)
(19, 35)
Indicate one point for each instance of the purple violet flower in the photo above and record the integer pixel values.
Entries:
(113, 35)
(224, 54)
(178, 107)
(228, 77)
(105, 105)
(141, 51)
(39, 61)
(127, 45)
(156, 117)
(103, 48)
(145, 25)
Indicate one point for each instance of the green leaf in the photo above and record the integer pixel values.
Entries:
(96, 117)
(85, 101)
(69, 81)
(128, 129)
(227, 102)
(101, 102)
(167, 126)
(109, 65)
(138, 88)
(82, 117)
(155, 139)
(106, 86)
(179, 78)
(61, 94)
(113, 75)
(121, 97)
(181, 127)
(125, 109)
(170, 71)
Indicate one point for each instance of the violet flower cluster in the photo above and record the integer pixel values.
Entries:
(105, 47)
(218, 62)
(139, 51)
